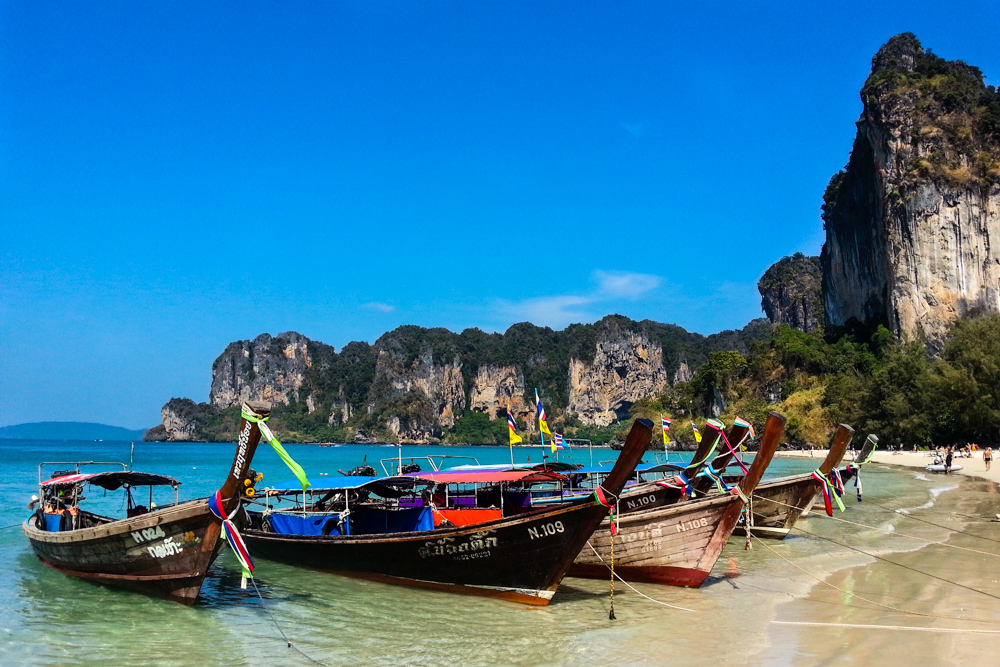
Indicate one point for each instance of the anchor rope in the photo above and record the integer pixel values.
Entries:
(635, 590)
(905, 567)
(888, 531)
(878, 604)
(931, 523)
(282, 632)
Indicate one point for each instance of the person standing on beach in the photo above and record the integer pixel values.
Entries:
(947, 462)
(988, 457)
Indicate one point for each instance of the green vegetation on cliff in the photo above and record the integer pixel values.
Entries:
(895, 390)
(955, 116)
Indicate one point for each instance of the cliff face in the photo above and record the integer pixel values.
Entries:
(496, 387)
(414, 383)
(791, 292)
(913, 222)
(265, 368)
(625, 368)
(420, 388)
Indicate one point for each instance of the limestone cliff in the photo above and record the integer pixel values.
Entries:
(626, 366)
(417, 387)
(791, 292)
(414, 383)
(265, 368)
(496, 387)
(913, 221)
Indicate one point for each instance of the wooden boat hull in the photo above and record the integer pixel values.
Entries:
(165, 553)
(675, 545)
(522, 558)
(779, 503)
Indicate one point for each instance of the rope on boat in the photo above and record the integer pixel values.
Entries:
(954, 530)
(282, 632)
(635, 590)
(905, 567)
(909, 537)
(864, 626)
(879, 604)
(13, 525)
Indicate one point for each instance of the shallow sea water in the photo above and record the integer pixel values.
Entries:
(48, 618)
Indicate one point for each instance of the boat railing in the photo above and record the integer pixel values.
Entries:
(435, 461)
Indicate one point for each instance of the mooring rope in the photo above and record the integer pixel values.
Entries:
(888, 531)
(282, 632)
(13, 525)
(635, 590)
(879, 604)
(907, 514)
(864, 626)
(905, 567)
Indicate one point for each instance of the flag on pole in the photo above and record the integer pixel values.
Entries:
(557, 441)
(697, 433)
(512, 428)
(542, 426)
(665, 424)
(739, 421)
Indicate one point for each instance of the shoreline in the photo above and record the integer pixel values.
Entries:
(971, 467)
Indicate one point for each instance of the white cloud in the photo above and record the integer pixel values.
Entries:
(624, 284)
(380, 307)
(560, 310)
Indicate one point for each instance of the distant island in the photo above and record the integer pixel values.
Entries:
(68, 431)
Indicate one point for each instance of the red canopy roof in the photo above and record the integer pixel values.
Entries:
(489, 476)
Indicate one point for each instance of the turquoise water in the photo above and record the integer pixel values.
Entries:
(48, 618)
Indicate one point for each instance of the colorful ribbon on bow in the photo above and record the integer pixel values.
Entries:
(735, 455)
(829, 492)
(231, 535)
(267, 435)
(856, 471)
(683, 481)
(720, 484)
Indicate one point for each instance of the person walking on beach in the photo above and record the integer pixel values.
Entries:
(947, 462)
(988, 457)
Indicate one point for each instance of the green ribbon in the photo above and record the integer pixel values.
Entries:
(696, 464)
(265, 432)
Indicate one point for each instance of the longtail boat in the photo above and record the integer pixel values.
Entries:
(680, 543)
(853, 470)
(778, 503)
(522, 557)
(163, 551)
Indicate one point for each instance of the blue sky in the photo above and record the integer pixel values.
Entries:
(175, 176)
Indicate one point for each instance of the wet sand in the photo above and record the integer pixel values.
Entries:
(959, 626)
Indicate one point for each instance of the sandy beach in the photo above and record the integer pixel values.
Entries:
(971, 467)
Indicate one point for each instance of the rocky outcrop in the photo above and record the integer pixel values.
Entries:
(414, 383)
(627, 366)
(262, 369)
(791, 292)
(913, 222)
(496, 387)
(182, 419)
(434, 381)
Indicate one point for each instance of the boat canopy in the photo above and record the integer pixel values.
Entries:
(347, 483)
(410, 480)
(113, 480)
(490, 476)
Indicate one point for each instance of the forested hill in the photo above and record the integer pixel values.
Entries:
(68, 431)
(413, 384)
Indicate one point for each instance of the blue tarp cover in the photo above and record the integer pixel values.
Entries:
(290, 524)
(374, 521)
